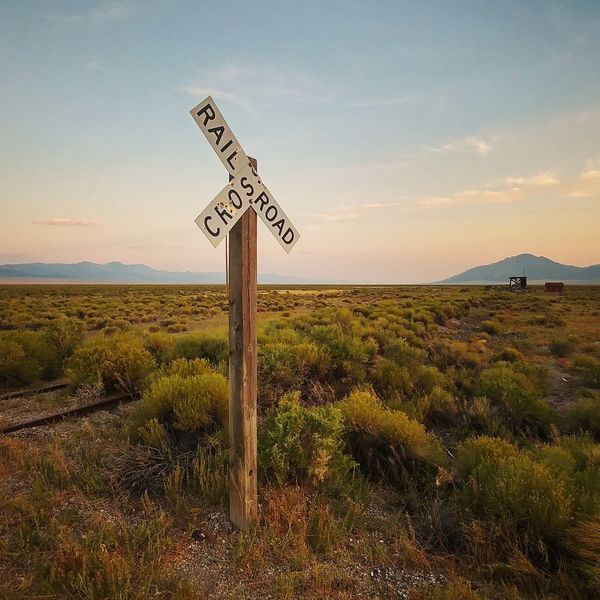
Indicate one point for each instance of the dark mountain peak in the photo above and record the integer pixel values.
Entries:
(536, 268)
(523, 256)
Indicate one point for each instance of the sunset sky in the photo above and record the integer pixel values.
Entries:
(407, 141)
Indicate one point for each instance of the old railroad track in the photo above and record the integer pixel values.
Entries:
(105, 403)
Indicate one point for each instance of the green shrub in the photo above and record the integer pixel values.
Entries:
(199, 402)
(283, 367)
(491, 327)
(584, 362)
(349, 354)
(586, 476)
(482, 417)
(161, 345)
(303, 444)
(38, 349)
(212, 347)
(16, 368)
(457, 354)
(439, 407)
(584, 415)
(392, 381)
(589, 368)
(25, 357)
(386, 442)
(559, 460)
(403, 354)
(508, 354)
(177, 327)
(522, 495)
(118, 361)
(561, 347)
(477, 450)
(182, 367)
(65, 335)
(428, 377)
(517, 396)
(583, 544)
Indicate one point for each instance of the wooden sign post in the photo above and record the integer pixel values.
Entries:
(229, 213)
(243, 503)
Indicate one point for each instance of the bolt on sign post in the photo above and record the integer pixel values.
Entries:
(233, 211)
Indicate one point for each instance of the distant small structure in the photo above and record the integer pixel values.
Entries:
(554, 287)
(517, 284)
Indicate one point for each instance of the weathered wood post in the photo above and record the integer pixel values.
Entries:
(234, 211)
(243, 502)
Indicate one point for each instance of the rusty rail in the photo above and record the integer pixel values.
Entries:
(37, 389)
(78, 411)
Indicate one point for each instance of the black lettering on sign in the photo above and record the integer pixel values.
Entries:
(279, 226)
(263, 199)
(235, 199)
(222, 212)
(209, 113)
(226, 145)
(230, 158)
(247, 186)
(218, 131)
(207, 226)
(272, 210)
(288, 236)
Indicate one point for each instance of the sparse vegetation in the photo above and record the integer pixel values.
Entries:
(119, 361)
(584, 415)
(304, 444)
(441, 440)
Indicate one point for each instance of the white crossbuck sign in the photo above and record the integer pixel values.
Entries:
(244, 191)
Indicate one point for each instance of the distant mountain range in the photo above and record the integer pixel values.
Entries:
(535, 268)
(117, 272)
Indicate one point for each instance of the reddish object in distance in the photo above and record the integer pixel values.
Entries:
(554, 287)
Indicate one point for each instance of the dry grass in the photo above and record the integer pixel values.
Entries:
(465, 487)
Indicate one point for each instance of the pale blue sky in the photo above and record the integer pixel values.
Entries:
(405, 140)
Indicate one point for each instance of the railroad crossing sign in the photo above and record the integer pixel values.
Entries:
(244, 191)
(233, 211)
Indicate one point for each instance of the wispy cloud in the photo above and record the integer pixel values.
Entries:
(471, 143)
(354, 211)
(518, 188)
(103, 12)
(466, 145)
(67, 222)
(473, 197)
(239, 84)
(436, 201)
(585, 185)
(383, 102)
(339, 216)
(545, 178)
(369, 205)
(515, 138)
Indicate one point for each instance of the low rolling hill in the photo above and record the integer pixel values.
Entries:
(117, 272)
(536, 268)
